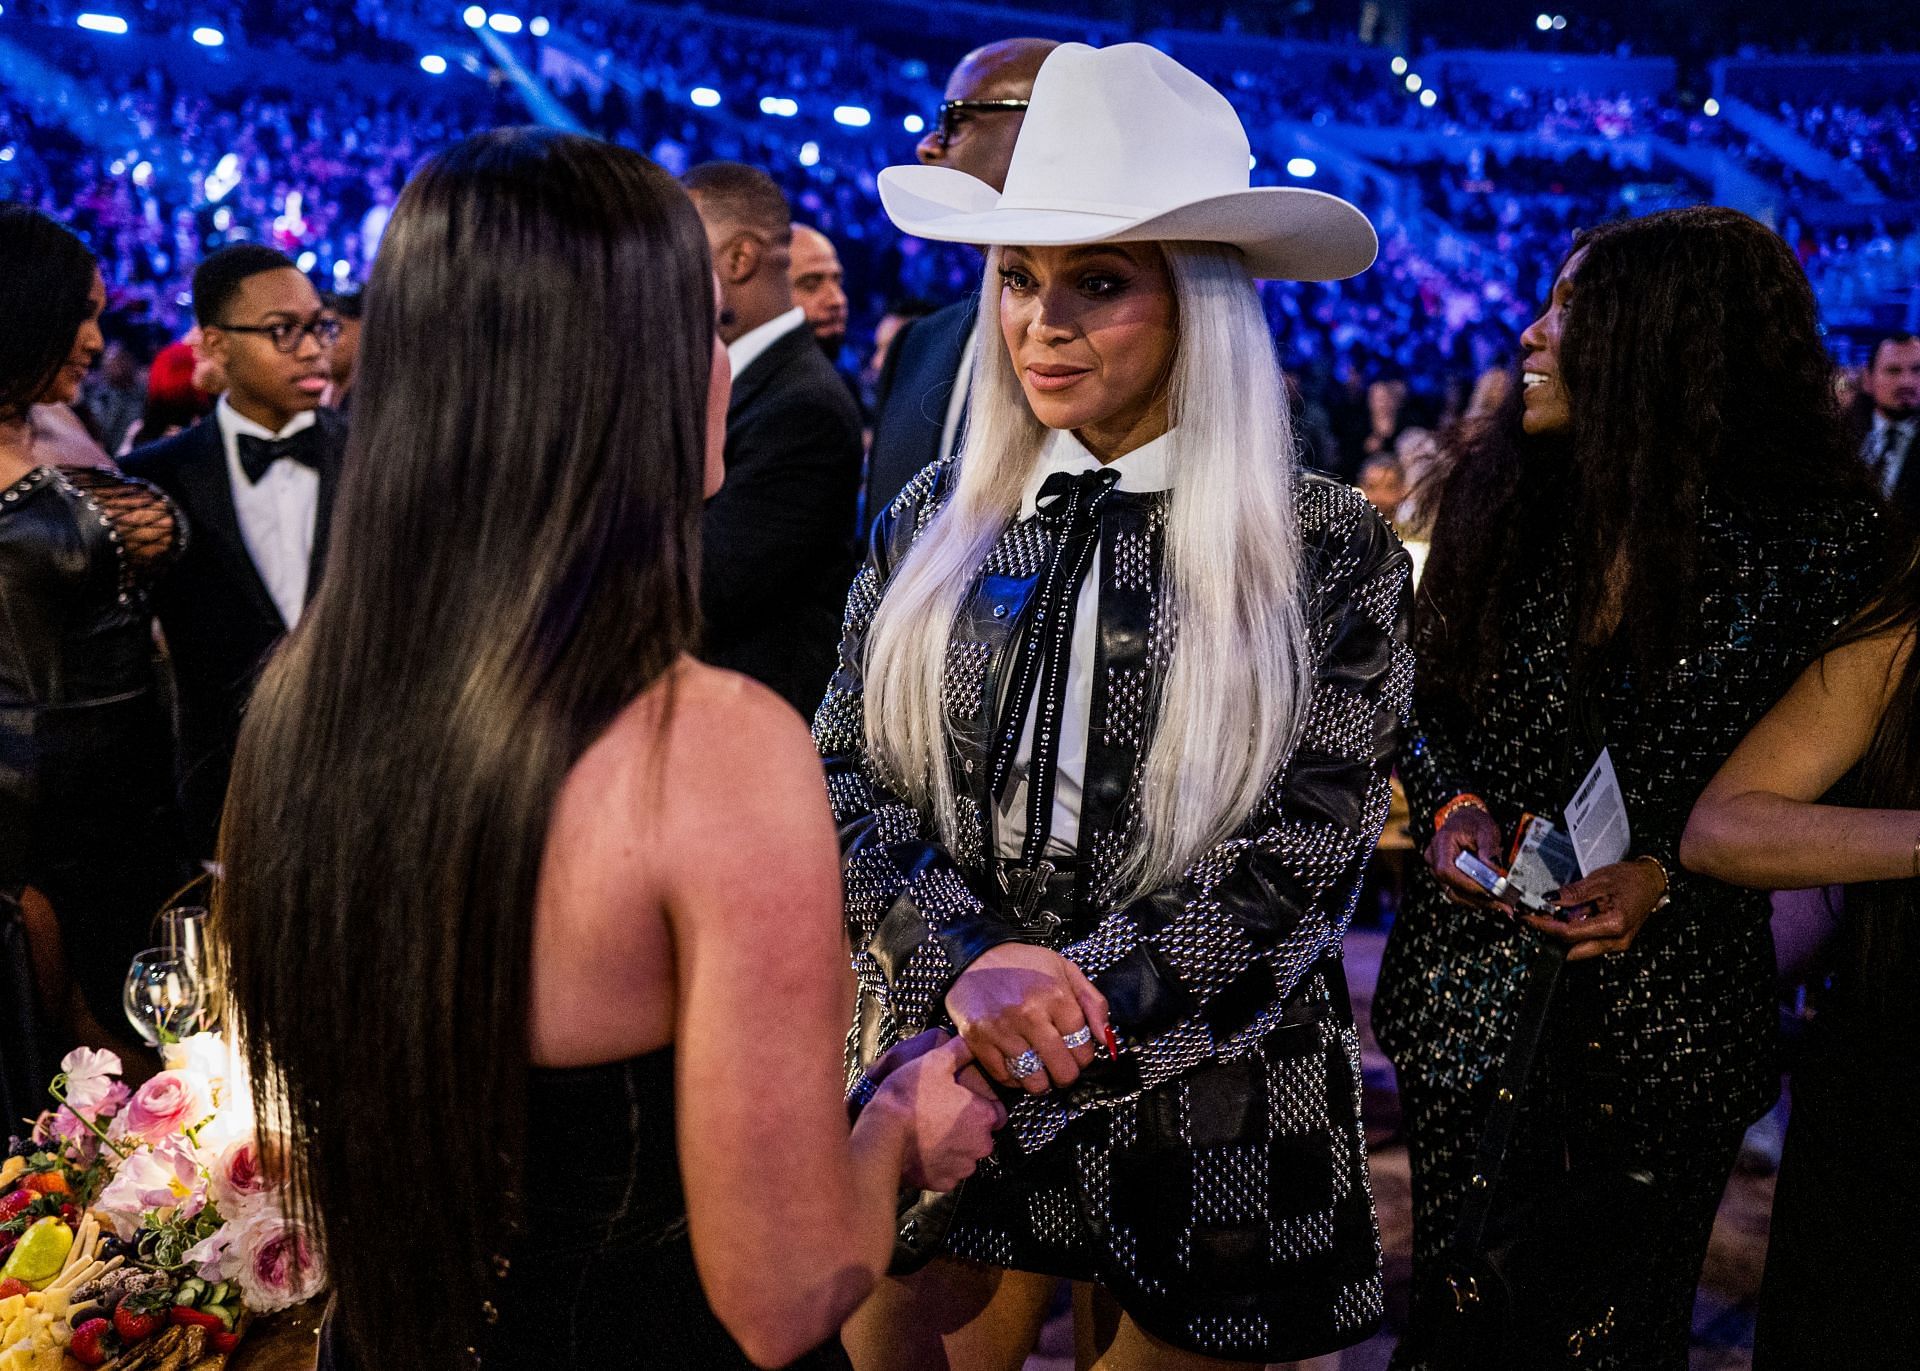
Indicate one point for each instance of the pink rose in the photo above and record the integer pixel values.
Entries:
(169, 1104)
(280, 1264)
(238, 1178)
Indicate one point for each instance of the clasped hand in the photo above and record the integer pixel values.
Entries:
(1017, 998)
(950, 1112)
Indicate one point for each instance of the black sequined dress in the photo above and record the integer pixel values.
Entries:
(87, 813)
(1663, 1052)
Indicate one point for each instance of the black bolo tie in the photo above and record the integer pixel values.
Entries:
(1070, 504)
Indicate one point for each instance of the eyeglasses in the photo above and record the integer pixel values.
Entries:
(286, 335)
(943, 122)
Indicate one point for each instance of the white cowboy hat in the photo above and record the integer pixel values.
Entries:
(1124, 144)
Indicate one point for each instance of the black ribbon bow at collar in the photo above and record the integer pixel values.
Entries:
(1056, 497)
(257, 454)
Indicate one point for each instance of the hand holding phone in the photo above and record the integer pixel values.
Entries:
(1482, 875)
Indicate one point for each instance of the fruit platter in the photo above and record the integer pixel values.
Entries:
(140, 1230)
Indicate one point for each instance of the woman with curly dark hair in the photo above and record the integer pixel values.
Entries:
(1640, 559)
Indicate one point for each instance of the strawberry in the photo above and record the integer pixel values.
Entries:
(92, 1342)
(14, 1205)
(224, 1342)
(11, 1287)
(138, 1317)
(46, 1183)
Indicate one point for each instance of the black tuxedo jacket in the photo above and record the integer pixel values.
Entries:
(219, 619)
(777, 540)
(915, 385)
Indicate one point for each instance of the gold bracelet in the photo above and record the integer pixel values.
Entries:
(1666, 881)
(1464, 800)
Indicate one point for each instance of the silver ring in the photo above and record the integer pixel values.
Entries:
(1080, 1037)
(1024, 1065)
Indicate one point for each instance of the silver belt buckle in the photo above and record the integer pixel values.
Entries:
(1026, 886)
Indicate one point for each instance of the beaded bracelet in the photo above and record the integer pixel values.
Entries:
(1464, 800)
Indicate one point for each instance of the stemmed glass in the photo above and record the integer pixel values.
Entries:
(182, 931)
(164, 998)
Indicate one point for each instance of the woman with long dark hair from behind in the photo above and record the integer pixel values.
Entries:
(1640, 562)
(87, 815)
(536, 950)
(1826, 791)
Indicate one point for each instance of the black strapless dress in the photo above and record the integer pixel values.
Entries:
(87, 813)
(603, 1275)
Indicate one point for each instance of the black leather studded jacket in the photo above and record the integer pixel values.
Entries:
(1197, 971)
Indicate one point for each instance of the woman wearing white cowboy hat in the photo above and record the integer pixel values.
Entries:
(1109, 747)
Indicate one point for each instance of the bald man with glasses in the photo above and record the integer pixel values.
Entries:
(921, 396)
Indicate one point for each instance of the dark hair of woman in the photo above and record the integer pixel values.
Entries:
(1692, 360)
(46, 274)
(513, 560)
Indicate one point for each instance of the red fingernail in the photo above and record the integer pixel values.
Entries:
(1113, 1043)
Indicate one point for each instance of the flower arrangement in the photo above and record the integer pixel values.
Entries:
(143, 1228)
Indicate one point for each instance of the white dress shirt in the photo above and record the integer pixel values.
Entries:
(1146, 468)
(743, 351)
(276, 514)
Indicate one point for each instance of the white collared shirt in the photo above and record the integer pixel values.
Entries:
(745, 350)
(277, 514)
(1146, 468)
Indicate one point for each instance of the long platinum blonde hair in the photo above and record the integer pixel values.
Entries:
(1238, 682)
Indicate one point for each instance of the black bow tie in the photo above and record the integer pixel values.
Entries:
(257, 454)
(1056, 501)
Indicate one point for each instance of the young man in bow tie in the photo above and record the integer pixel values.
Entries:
(256, 480)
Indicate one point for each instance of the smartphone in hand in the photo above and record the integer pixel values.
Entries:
(1481, 875)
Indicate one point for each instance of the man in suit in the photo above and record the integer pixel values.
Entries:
(1888, 423)
(777, 553)
(256, 481)
(921, 397)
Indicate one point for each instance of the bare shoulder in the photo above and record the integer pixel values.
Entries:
(1866, 672)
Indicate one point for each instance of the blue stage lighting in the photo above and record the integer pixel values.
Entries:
(1301, 168)
(504, 23)
(706, 97)
(102, 23)
(208, 36)
(473, 16)
(540, 27)
(853, 116)
(433, 64)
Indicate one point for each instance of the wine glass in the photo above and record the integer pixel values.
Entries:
(182, 932)
(164, 998)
